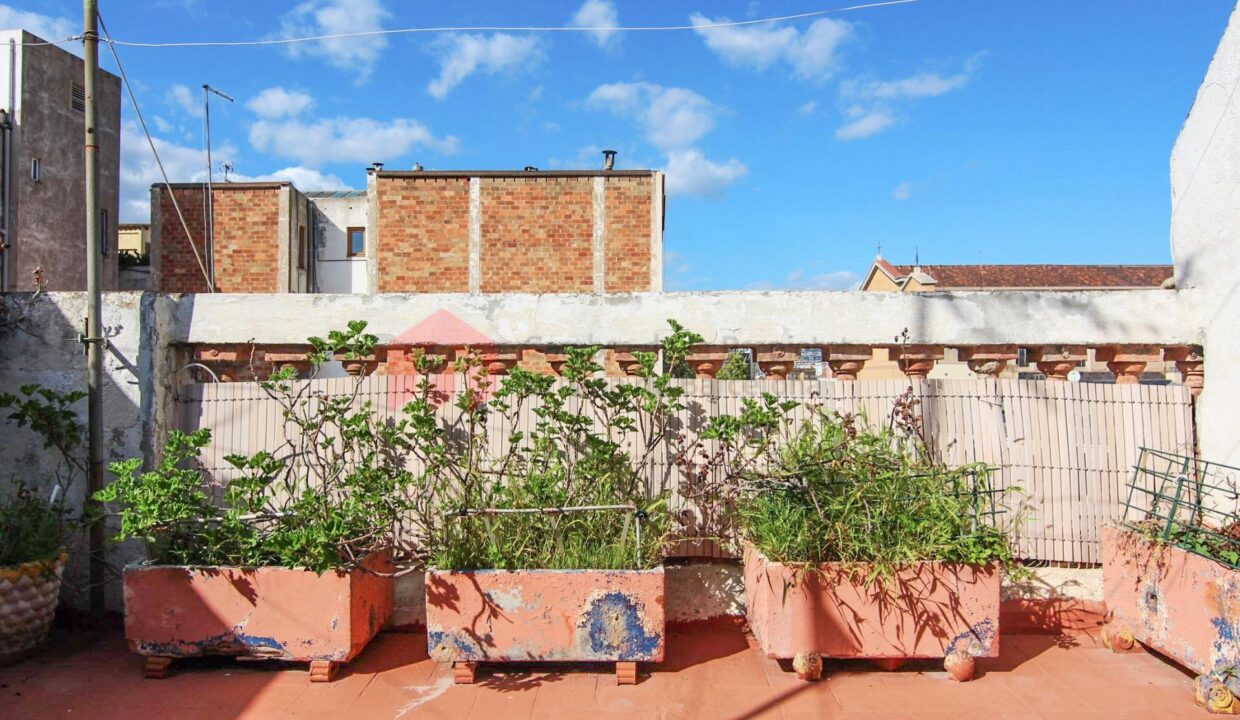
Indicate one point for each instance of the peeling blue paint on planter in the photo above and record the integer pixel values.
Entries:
(980, 635)
(616, 628)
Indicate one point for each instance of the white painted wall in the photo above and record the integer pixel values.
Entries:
(1205, 239)
(337, 272)
(1153, 316)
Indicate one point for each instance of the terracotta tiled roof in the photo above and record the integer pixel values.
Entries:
(1040, 276)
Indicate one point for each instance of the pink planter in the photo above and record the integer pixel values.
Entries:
(545, 615)
(1181, 604)
(267, 612)
(929, 610)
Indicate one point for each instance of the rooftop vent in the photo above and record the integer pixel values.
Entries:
(609, 159)
(417, 167)
(376, 166)
(531, 168)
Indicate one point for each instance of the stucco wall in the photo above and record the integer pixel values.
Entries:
(337, 272)
(1205, 238)
(740, 318)
(39, 344)
(49, 218)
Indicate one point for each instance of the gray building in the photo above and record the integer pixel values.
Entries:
(42, 166)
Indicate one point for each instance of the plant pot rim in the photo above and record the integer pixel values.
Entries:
(146, 564)
(58, 558)
(658, 569)
(750, 547)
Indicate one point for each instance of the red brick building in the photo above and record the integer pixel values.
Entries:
(427, 232)
(260, 241)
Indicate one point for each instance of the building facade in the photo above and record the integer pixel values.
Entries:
(42, 188)
(418, 231)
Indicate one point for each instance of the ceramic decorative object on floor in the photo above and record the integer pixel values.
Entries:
(273, 613)
(929, 610)
(1179, 603)
(28, 596)
(497, 616)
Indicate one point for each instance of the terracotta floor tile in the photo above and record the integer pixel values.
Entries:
(713, 672)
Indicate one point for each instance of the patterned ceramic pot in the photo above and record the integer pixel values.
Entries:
(28, 596)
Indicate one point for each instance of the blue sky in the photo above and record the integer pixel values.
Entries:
(965, 130)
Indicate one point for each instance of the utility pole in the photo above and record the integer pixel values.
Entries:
(93, 337)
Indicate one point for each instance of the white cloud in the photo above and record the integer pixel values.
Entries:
(670, 117)
(186, 164)
(338, 17)
(867, 125)
(344, 139)
(690, 173)
(304, 178)
(798, 280)
(184, 99)
(45, 27)
(902, 191)
(277, 102)
(161, 124)
(139, 170)
(873, 103)
(812, 54)
(463, 54)
(808, 108)
(599, 14)
(675, 263)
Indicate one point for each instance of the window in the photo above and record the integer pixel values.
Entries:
(301, 247)
(357, 242)
(78, 97)
(1022, 356)
(36, 169)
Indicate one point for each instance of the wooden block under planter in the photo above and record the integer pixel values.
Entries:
(929, 610)
(274, 613)
(497, 616)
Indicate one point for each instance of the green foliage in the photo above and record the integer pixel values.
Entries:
(31, 527)
(736, 367)
(33, 519)
(590, 445)
(837, 490)
(332, 494)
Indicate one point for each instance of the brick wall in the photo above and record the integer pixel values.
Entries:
(423, 234)
(627, 202)
(537, 234)
(247, 239)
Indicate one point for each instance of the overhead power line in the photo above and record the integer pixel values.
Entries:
(189, 237)
(497, 28)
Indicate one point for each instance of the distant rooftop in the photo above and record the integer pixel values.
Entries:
(1027, 277)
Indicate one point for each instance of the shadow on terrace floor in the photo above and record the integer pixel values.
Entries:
(712, 670)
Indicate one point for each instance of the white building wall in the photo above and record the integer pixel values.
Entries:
(1205, 239)
(336, 272)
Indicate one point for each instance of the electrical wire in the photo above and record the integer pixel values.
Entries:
(151, 141)
(496, 28)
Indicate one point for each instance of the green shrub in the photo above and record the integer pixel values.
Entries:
(590, 445)
(33, 517)
(332, 494)
(735, 367)
(835, 489)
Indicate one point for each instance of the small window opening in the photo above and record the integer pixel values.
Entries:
(356, 242)
(36, 169)
(78, 98)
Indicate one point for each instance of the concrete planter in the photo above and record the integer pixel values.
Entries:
(267, 612)
(545, 615)
(930, 610)
(1181, 604)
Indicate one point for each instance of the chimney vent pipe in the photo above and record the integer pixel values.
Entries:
(609, 159)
